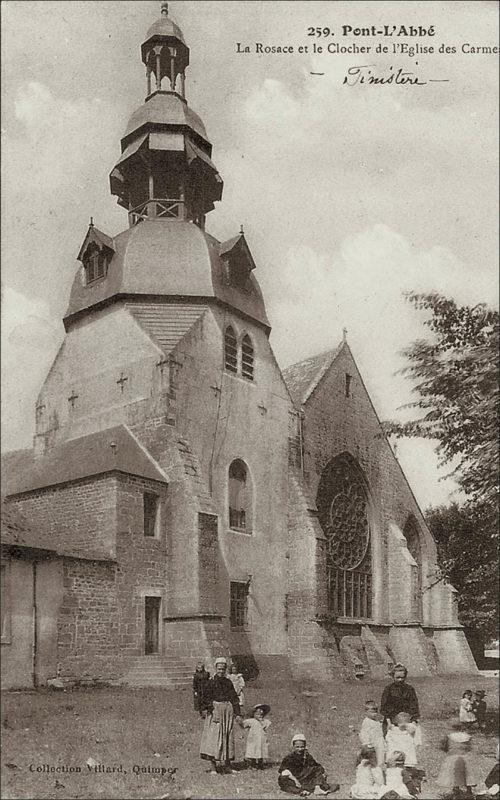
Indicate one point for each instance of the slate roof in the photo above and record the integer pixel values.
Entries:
(17, 531)
(166, 323)
(75, 459)
(164, 109)
(169, 258)
(303, 377)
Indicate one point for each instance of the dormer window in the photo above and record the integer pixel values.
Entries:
(94, 264)
(238, 263)
(95, 254)
(239, 274)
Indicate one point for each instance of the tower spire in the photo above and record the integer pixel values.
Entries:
(165, 169)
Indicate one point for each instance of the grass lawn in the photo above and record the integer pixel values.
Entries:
(155, 728)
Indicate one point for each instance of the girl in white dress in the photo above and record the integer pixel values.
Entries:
(257, 747)
(467, 716)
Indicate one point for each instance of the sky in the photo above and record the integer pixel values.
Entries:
(349, 195)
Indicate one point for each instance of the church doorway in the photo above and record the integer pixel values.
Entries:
(343, 509)
(151, 625)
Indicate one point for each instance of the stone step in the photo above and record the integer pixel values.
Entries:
(157, 682)
(159, 665)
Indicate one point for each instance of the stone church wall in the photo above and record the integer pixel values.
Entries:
(97, 352)
(79, 516)
(335, 424)
(224, 417)
(101, 616)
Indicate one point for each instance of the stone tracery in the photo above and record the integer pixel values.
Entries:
(343, 513)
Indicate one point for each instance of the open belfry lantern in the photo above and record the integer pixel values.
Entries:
(165, 168)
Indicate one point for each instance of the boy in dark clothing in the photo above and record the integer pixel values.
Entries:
(300, 774)
(200, 681)
(479, 708)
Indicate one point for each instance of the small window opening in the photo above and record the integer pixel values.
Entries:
(348, 382)
(151, 505)
(230, 350)
(238, 604)
(5, 606)
(95, 265)
(247, 358)
(238, 497)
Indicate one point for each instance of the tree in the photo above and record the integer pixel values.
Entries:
(467, 554)
(455, 375)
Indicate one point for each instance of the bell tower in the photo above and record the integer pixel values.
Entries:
(165, 168)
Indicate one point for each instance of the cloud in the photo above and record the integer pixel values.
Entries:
(30, 340)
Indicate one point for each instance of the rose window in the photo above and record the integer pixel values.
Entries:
(343, 513)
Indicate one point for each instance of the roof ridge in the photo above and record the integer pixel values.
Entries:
(304, 376)
(146, 452)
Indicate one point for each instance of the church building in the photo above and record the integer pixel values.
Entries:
(185, 497)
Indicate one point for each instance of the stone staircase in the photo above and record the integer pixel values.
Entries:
(354, 656)
(159, 670)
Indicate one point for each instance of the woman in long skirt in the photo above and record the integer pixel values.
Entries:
(220, 707)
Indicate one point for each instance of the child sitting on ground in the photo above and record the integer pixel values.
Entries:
(200, 681)
(238, 682)
(257, 747)
(397, 779)
(466, 714)
(369, 777)
(479, 708)
(371, 733)
(456, 777)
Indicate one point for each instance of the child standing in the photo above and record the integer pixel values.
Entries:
(371, 733)
(456, 776)
(238, 682)
(479, 708)
(401, 737)
(466, 714)
(257, 747)
(200, 681)
(369, 777)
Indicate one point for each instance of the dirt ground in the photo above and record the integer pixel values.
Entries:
(139, 731)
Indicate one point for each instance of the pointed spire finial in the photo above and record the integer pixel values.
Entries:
(241, 229)
(91, 222)
(164, 9)
(344, 334)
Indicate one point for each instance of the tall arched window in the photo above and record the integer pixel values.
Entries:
(412, 536)
(239, 497)
(230, 350)
(247, 357)
(343, 514)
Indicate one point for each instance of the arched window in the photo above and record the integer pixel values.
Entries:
(412, 536)
(239, 497)
(247, 357)
(342, 504)
(230, 350)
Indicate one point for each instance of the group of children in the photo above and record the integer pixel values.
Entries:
(387, 765)
(387, 762)
(473, 709)
(257, 725)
